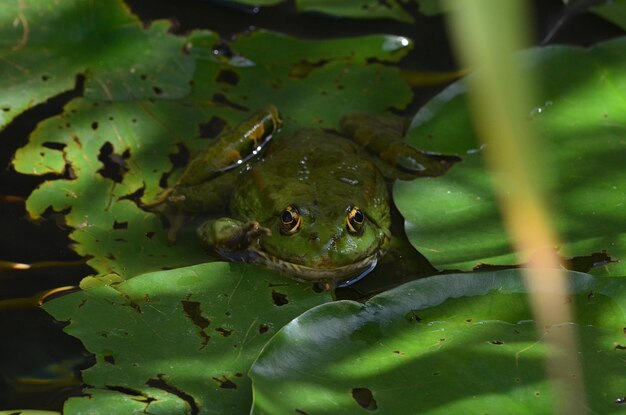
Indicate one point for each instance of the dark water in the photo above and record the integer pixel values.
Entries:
(39, 363)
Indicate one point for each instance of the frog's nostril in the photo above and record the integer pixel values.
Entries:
(314, 237)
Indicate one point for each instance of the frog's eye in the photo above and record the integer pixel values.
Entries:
(354, 220)
(290, 221)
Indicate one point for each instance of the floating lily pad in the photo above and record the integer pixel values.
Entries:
(45, 45)
(179, 341)
(368, 9)
(453, 343)
(359, 9)
(454, 220)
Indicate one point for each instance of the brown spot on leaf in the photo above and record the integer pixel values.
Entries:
(279, 299)
(224, 332)
(160, 383)
(412, 317)
(365, 398)
(221, 99)
(228, 77)
(225, 383)
(120, 225)
(212, 128)
(54, 146)
(114, 165)
(194, 313)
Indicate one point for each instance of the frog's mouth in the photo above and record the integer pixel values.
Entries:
(304, 273)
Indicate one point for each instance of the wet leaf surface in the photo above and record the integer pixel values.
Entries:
(454, 220)
(453, 343)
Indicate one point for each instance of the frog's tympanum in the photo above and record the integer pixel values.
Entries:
(314, 206)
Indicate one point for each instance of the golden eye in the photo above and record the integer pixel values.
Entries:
(354, 220)
(290, 221)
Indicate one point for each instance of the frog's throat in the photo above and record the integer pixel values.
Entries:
(309, 274)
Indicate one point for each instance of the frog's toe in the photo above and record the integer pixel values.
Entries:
(255, 230)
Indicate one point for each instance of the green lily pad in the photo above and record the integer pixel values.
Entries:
(45, 45)
(368, 9)
(179, 341)
(454, 220)
(453, 343)
(111, 155)
(358, 9)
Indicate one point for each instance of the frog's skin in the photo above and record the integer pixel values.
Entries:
(314, 206)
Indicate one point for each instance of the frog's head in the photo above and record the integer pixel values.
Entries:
(315, 243)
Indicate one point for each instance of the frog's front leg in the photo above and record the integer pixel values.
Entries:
(383, 135)
(209, 178)
(233, 147)
(231, 238)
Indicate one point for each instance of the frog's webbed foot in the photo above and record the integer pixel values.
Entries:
(229, 236)
(383, 134)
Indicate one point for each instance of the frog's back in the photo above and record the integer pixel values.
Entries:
(315, 170)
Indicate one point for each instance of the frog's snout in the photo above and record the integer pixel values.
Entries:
(314, 237)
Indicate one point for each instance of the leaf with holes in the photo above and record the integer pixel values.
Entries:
(315, 82)
(45, 45)
(111, 156)
(454, 220)
(179, 341)
(452, 343)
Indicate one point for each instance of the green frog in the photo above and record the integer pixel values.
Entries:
(314, 206)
